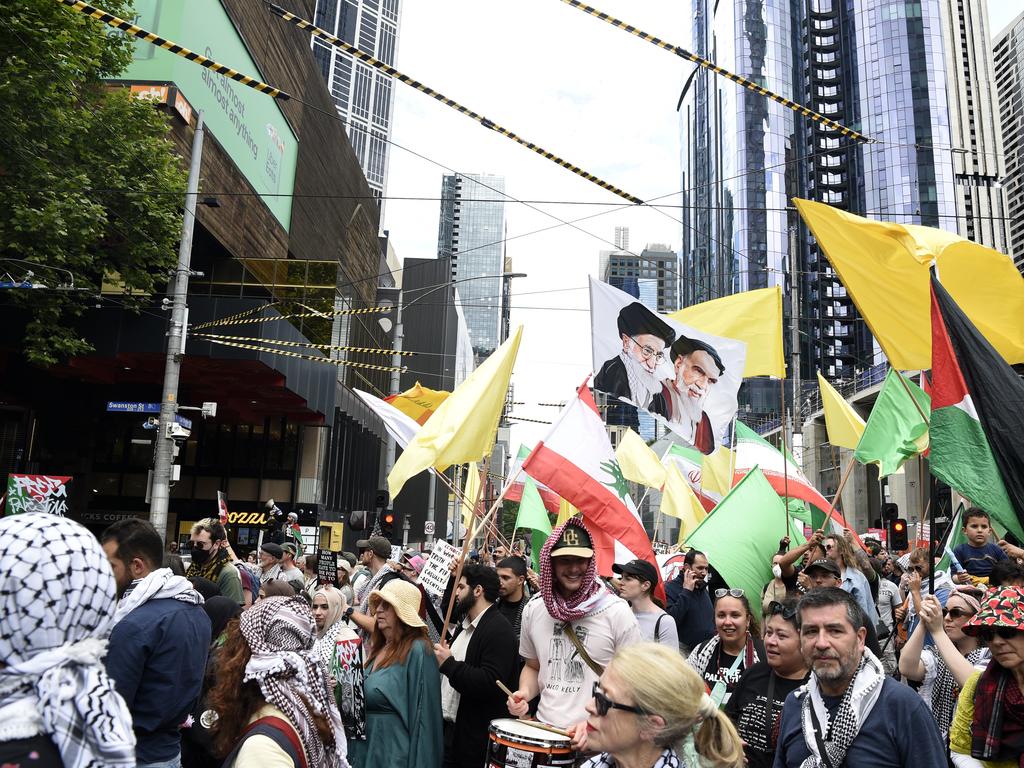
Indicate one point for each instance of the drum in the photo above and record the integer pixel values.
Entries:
(517, 744)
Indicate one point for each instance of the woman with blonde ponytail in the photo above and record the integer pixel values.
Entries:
(650, 710)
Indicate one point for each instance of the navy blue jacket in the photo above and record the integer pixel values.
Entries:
(692, 611)
(157, 659)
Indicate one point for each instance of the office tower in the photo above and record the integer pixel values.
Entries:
(362, 95)
(651, 277)
(978, 161)
(471, 232)
(1009, 63)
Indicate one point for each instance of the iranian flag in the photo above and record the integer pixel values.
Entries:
(515, 491)
(576, 460)
(782, 473)
(977, 419)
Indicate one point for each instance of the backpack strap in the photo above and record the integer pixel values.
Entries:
(657, 628)
(279, 731)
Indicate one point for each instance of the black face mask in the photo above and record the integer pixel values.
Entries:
(201, 556)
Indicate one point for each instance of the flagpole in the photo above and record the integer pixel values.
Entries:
(465, 549)
(647, 489)
(460, 499)
(839, 492)
(913, 399)
(785, 459)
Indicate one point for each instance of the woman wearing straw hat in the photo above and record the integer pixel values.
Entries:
(402, 687)
(650, 708)
(988, 724)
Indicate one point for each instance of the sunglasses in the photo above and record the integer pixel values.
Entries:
(775, 608)
(957, 613)
(730, 592)
(602, 703)
(1006, 633)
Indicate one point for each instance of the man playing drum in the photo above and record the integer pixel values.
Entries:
(569, 636)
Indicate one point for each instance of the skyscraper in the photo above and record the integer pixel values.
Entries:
(975, 124)
(471, 232)
(1009, 62)
(362, 95)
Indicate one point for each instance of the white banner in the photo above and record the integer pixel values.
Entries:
(435, 574)
(686, 378)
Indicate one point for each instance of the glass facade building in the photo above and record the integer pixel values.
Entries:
(471, 233)
(362, 95)
(1009, 62)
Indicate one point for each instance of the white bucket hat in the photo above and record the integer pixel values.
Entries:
(403, 597)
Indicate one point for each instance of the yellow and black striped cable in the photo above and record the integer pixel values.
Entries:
(130, 29)
(332, 347)
(710, 65)
(311, 358)
(248, 320)
(366, 58)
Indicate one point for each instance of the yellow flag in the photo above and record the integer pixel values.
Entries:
(679, 501)
(565, 511)
(884, 267)
(716, 471)
(843, 424)
(752, 316)
(419, 402)
(463, 427)
(469, 494)
(638, 462)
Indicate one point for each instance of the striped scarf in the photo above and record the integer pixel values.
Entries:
(998, 724)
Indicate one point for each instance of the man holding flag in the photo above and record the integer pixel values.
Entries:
(568, 637)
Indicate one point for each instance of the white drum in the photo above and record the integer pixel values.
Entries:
(517, 744)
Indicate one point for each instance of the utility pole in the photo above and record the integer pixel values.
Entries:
(794, 315)
(163, 456)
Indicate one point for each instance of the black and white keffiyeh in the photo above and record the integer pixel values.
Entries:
(370, 584)
(281, 634)
(667, 759)
(854, 708)
(57, 597)
(160, 584)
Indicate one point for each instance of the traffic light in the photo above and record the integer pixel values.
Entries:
(897, 535)
(890, 511)
(387, 524)
(357, 520)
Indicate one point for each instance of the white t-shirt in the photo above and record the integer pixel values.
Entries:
(566, 680)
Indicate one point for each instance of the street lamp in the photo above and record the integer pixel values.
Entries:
(396, 365)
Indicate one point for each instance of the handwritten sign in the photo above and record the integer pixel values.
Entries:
(435, 574)
(327, 567)
(37, 493)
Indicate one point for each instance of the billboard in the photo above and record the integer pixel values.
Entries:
(248, 124)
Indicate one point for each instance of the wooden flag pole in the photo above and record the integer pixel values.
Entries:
(465, 549)
(913, 399)
(460, 499)
(839, 492)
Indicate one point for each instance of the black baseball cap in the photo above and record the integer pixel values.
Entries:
(274, 550)
(573, 542)
(824, 564)
(639, 568)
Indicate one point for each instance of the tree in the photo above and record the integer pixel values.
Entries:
(89, 181)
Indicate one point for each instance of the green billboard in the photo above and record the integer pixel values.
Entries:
(247, 123)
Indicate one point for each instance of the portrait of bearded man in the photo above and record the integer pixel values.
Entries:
(698, 367)
(632, 374)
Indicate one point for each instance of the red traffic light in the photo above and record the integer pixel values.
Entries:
(898, 526)
(389, 518)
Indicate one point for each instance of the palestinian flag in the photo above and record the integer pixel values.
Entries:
(977, 419)
(296, 533)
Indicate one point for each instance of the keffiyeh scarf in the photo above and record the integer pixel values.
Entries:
(57, 596)
(281, 633)
(589, 598)
(161, 584)
(211, 569)
(945, 691)
(854, 708)
(701, 657)
(370, 584)
(667, 759)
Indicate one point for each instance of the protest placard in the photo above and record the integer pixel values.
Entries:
(435, 574)
(327, 567)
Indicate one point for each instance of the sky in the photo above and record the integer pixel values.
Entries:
(598, 97)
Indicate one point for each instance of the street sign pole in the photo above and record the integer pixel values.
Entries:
(164, 453)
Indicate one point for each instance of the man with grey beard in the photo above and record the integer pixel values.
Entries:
(849, 713)
(698, 367)
(632, 373)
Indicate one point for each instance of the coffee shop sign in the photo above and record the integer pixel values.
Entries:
(247, 518)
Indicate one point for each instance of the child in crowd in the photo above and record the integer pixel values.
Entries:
(978, 554)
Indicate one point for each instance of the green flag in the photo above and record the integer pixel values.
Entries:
(895, 430)
(742, 533)
(533, 515)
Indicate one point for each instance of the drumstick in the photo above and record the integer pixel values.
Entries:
(545, 727)
(504, 688)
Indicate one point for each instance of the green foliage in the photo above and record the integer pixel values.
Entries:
(88, 177)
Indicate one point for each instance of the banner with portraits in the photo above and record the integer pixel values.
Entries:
(686, 379)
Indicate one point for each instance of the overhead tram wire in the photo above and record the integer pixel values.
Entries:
(710, 65)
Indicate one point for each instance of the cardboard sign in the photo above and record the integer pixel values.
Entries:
(435, 574)
(327, 567)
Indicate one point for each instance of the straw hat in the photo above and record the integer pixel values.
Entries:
(403, 597)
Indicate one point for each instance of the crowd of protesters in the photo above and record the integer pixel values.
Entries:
(114, 653)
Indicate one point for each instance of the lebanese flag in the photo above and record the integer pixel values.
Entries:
(782, 473)
(977, 418)
(515, 490)
(576, 461)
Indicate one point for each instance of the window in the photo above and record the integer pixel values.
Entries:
(386, 46)
(381, 100)
(368, 33)
(361, 91)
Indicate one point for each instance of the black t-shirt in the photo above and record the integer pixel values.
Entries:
(747, 708)
(36, 752)
(510, 610)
